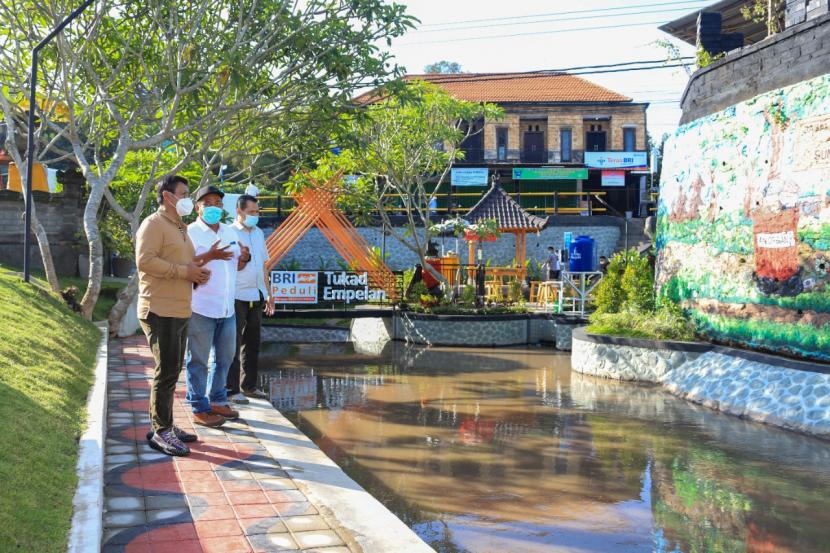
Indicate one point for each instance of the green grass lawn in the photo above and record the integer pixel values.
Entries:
(47, 355)
(107, 298)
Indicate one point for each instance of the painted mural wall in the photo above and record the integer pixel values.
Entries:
(744, 221)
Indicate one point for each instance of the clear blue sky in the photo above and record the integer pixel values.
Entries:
(473, 33)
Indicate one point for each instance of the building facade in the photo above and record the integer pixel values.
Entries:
(564, 145)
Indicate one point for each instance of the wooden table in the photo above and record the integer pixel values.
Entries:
(549, 292)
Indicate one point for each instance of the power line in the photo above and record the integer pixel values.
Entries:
(632, 69)
(557, 20)
(461, 77)
(455, 78)
(571, 12)
(576, 29)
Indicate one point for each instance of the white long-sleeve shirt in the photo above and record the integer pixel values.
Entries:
(250, 282)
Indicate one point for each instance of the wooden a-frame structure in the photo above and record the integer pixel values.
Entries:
(316, 207)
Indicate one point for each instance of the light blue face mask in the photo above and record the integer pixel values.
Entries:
(251, 221)
(212, 215)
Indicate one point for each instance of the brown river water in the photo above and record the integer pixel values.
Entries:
(507, 450)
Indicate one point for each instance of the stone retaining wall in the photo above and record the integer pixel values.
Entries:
(304, 334)
(60, 214)
(464, 331)
(626, 362)
(434, 331)
(797, 54)
(314, 251)
(784, 397)
(790, 394)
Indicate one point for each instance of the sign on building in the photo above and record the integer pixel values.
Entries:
(550, 173)
(616, 160)
(469, 177)
(613, 178)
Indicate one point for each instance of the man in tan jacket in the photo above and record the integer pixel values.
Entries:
(167, 272)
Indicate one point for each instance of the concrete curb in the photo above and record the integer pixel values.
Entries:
(374, 527)
(88, 504)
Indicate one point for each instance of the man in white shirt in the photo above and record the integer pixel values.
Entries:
(213, 322)
(252, 298)
(554, 264)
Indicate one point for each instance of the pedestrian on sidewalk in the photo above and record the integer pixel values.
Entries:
(252, 298)
(167, 272)
(213, 323)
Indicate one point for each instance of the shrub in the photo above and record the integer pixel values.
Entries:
(468, 295)
(626, 304)
(418, 289)
(667, 323)
(637, 284)
(610, 296)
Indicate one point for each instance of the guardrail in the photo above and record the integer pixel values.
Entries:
(552, 203)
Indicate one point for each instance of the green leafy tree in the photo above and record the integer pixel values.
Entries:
(443, 66)
(404, 146)
(127, 187)
(203, 75)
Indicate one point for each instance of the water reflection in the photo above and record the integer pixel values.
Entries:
(505, 450)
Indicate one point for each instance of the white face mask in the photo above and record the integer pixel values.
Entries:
(184, 207)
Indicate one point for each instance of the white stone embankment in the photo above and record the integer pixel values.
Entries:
(790, 394)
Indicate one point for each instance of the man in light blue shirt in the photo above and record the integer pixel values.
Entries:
(252, 298)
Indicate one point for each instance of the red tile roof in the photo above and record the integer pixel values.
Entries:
(515, 87)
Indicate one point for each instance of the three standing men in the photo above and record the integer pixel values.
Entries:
(187, 290)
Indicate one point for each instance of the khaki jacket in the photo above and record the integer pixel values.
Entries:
(162, 251)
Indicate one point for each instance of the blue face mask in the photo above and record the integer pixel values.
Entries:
(250, 221)
(212, 215)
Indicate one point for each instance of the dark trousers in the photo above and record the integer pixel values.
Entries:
(167, 337)
(246, 362)
(554, 275)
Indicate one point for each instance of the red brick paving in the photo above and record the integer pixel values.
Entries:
(198, 505)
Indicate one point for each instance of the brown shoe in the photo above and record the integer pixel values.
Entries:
(211, 420)
(224, 410)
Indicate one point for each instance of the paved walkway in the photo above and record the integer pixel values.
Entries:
(228, 496)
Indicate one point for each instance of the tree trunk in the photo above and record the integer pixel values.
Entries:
(96, 251)
(125, 298)
(45, 253)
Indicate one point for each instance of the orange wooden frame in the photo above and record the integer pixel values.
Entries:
(316, 207)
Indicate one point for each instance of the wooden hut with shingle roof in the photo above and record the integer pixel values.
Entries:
(510, 217)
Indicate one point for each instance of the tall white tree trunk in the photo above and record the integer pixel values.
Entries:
(45, 253)
(96, 250)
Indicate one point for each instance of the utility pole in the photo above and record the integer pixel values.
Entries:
(30, 139)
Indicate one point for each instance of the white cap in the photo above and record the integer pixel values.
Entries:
(252, 190)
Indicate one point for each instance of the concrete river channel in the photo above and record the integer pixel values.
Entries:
(507, 450)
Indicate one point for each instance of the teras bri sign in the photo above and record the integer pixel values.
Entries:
(549, 173)
(616, 160)
(314, 287)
